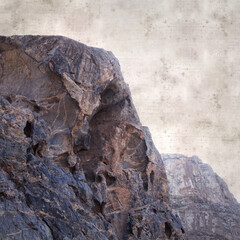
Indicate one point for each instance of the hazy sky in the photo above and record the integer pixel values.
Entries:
(180, 58)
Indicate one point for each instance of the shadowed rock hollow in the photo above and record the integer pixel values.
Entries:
(75, 161)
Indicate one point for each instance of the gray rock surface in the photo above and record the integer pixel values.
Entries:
(75, 161)
(201, 199)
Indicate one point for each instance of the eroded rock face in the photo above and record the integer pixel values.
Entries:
(201, 199)
(75, 161)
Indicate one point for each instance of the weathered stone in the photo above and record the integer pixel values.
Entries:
(75, 161)
(201, 199)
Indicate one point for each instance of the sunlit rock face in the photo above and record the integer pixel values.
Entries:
(201, 199)
(75, 161)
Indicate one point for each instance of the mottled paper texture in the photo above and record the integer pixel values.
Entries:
(180, 58)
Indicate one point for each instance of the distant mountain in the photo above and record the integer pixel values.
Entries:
(202, 200)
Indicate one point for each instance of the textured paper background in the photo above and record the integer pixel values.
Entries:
(180, 58)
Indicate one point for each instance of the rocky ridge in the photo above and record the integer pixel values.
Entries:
(75, 161)
(201, 199)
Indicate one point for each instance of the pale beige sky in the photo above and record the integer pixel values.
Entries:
(180, 58)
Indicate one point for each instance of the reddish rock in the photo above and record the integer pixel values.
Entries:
(75, 161)
(201, 199)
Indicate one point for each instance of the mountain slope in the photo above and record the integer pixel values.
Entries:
(201, 199)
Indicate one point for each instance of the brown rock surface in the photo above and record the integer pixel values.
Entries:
(201, 199)
(75, 161)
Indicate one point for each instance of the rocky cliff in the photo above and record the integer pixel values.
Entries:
(75, 161)
(201, 199)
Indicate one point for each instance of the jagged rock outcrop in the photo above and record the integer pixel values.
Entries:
(201, 199)
(75, 161)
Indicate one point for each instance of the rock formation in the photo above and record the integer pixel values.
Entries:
(201, 199)
(75, 161)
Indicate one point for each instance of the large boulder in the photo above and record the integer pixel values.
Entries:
(75, 161)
